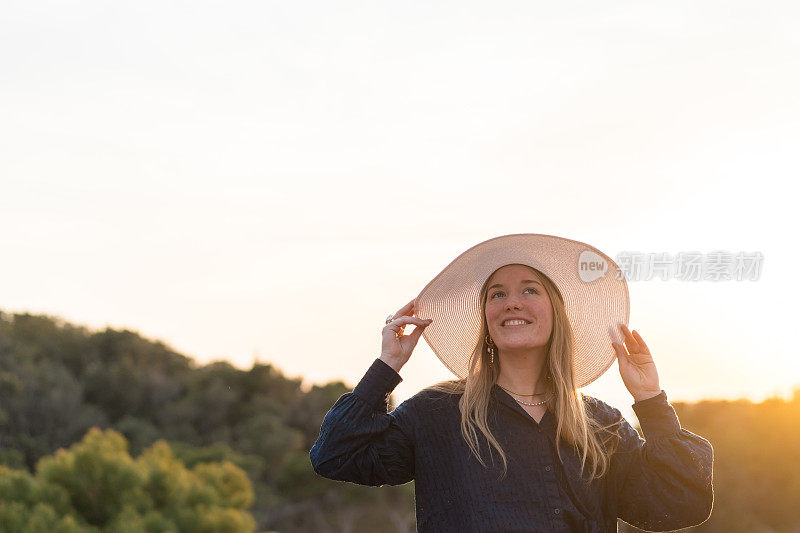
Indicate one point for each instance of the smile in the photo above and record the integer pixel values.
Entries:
(515, 324)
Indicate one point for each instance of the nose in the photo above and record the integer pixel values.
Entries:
(512, 303)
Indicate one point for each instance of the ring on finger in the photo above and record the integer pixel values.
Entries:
(397, 334)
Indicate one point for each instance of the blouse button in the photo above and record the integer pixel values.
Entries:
(556, 511)
(547, 468)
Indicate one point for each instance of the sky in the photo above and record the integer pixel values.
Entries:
(265, 181)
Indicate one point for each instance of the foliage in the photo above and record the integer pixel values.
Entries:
(96, 485)
(756, 453)
(58, 380)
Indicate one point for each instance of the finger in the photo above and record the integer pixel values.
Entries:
(641, 342)
(415, 335)
(619, 349)
(630, 342)
(405, 310)
(627, 333)
(400, 322)
(622, 356)
(407, 319)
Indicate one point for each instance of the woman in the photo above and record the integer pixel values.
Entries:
(536, 316)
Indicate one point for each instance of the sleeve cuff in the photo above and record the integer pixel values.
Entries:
(377, 384)
(657, 417)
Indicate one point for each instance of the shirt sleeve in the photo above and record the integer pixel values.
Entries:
(360, 441)
(663, 482)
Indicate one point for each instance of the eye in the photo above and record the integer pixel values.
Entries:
(501, 292)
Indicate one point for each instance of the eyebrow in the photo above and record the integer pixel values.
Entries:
(523, 281)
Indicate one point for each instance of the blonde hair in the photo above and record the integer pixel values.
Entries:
(574, 425)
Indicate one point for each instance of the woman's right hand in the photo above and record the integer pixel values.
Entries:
(396, 348)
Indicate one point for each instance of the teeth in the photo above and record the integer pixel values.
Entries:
(514, 322)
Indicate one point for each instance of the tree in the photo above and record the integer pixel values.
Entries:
(96, 485)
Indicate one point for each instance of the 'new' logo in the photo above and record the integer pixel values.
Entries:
(591, 266)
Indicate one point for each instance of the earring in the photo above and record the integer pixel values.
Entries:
(490, 349)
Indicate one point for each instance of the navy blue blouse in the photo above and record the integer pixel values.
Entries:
(658, 484)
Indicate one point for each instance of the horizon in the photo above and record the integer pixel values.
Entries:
(305, 385)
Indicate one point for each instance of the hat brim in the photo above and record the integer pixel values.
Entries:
(592, 285)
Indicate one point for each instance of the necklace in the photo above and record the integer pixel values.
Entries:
(526, 403)
(537, 403)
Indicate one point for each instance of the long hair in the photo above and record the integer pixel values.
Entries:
(574, 424)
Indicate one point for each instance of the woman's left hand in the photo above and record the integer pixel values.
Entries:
(636, 366)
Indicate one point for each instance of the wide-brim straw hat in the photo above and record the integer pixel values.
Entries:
(591, 284)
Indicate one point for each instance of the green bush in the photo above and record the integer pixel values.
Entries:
(96, 485)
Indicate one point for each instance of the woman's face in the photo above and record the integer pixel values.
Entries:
(516, 292)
